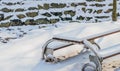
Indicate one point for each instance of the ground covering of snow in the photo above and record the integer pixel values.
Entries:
(24, 52)
(21, 46)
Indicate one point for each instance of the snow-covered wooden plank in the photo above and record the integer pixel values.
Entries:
(57, 45)
(100, 55)
(91, 37)
(110, 51)
(104, 53)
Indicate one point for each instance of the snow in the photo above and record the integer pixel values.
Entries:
(85, 31)
(109, 51)
(24, 53)
(56, 44)
(29, 3)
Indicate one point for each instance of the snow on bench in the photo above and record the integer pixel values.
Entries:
(90, 37)
(60, 41)
(98, 56)
(109, 51)
(57, 44)
(84, 32)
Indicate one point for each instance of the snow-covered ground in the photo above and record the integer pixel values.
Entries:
(21, 46)
(23, 53)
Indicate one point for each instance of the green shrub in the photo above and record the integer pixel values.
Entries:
(1, 17)
(8, 17)
(84, 10)
(74, 4)
(19, 10)
(57, 13)
(31, 14)
(40, 7)
(66, 18)
(46, 6)
(32, 8)
(20, 16)
(101, 17)
(90, 10)
(54, 20)
(30, 22)
(108, 11)
(10, 3)
(56, 5)
(111, 4)
(42, 21)
(7, 24)
(88, 18)
(15, 22)
(70, 12)
(80, 18)
(83, 4)
(6, 10)
(118, 14)
(46, 14)
(99, 11)
(99, 0)
(97, 5)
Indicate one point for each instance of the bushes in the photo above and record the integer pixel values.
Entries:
(54, 20)
(57, 13)
(84, 10)
(20, 16)
(31, 14)
(66, 18)
(7, 24)
(111, 4)
(95, 0)
(88, 18)
(108, 11)
(6, 10)
(1, 17)
(101, 17)
(70, 12)
(99, 11)
(19, 10)
(56, 5)
(10, 3)
(53, 12)
(32, 8)
(47, 14)
(83, 4)
(42, 21)
(98, 5)
(30, 22)
(118, 14)
(8, 17)
(80, 18)
(15, 22)
(46, 6)
(89, 10)
(46, 21)
(40, 7)
(74, 4)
